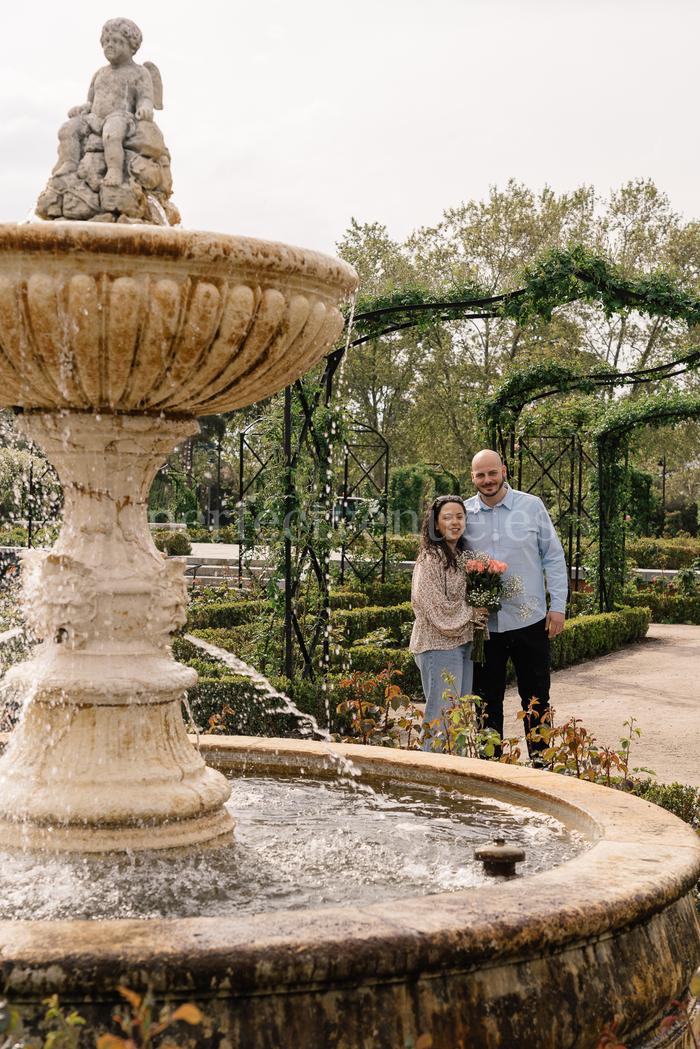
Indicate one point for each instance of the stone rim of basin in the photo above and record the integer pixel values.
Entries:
(641, 859)
(205, 247)
(616, 923)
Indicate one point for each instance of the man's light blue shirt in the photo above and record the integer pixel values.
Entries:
(519, 531)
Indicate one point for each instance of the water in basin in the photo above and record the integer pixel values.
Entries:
(300, 842)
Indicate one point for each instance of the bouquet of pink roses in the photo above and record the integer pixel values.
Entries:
(486, 588)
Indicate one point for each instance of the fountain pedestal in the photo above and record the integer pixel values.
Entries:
(101, 758)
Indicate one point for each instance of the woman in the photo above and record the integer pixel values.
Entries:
(444, 626)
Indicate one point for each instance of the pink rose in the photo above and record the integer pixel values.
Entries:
(476, 566)
(497, 566)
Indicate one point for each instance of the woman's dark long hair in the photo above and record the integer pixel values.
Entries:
(431, 539)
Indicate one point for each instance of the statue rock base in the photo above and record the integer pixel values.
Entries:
(143, 195)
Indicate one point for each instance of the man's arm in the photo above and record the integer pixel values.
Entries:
(554, 564)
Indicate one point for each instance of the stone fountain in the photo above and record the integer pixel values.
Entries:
(115, 334)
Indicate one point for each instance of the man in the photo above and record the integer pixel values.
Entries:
(515, 527)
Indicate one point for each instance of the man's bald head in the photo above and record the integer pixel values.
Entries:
(486, 458)
(488, 475)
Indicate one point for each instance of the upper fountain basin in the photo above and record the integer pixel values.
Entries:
(150, 319)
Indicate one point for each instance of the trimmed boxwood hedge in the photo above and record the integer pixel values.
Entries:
(581, 603)
(371, 659)
(176, 544)
(356, 623)
(663, 553)
(585, 637)
(668, 608)
(225, 613)
(237, 611)
(243, 711)
(349, 599)
(392, 592)
(242, 641)
(403, 547)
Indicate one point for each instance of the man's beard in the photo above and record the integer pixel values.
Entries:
(495, 490)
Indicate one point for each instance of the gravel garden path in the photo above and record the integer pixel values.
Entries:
(656, 681)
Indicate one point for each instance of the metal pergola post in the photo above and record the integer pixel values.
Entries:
(288, 512)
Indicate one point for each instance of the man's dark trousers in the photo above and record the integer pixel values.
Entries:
(528, 647)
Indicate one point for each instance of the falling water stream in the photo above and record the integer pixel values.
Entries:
(308, 725)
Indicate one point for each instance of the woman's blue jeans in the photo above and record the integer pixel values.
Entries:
(457, 662)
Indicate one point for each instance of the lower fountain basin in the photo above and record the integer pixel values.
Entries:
(301, 842)
(546, 960)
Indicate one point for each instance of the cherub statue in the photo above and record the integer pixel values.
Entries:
(113, 165)
(119, 95)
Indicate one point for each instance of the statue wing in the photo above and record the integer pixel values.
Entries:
(157, 82)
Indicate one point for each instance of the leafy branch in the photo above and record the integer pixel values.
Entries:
(559, 277)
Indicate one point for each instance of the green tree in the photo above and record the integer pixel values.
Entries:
(422, 387)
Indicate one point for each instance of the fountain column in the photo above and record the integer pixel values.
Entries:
(101, 759)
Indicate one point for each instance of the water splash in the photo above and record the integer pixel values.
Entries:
(300, 842)
(309, 726)
(31, 216)
(156, 205)
(339, 382)
(12, 635)
(190, 716)
(14, 646)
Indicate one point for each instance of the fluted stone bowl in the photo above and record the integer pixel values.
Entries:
(156, 320)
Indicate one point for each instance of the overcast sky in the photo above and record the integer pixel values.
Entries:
(286, 118)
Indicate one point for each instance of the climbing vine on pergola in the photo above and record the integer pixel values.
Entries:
(558, 278)
(612, 438)
(540, 381)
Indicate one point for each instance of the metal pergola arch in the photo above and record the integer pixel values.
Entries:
(509, 402)
(311, 641)
(410, 315)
